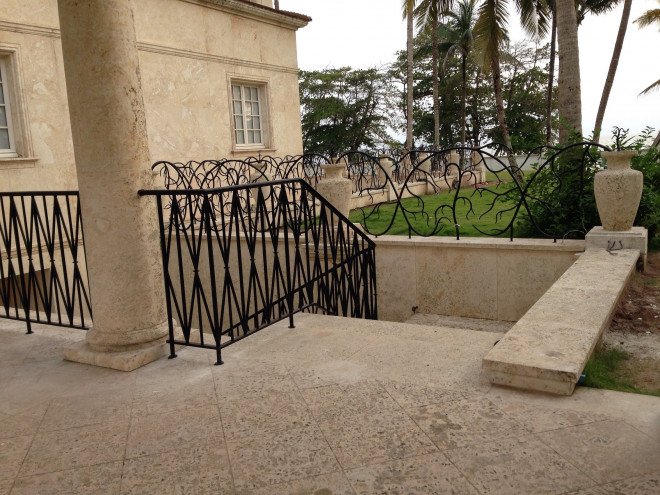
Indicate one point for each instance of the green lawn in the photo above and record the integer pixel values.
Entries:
(472, 208)
(614, 369)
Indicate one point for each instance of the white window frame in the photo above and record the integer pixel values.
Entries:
(264, 114)
(6, 97)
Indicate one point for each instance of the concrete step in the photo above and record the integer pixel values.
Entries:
(494, 326)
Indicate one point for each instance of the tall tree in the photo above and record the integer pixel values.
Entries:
(569, 89)
(490, 35)
(409, 15)
(551, 72)
(428, 18)
(611, 72)
(459, 39)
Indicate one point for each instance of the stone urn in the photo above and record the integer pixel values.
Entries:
(618, 190)
(335, 187)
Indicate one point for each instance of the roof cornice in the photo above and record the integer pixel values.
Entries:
(245, 8)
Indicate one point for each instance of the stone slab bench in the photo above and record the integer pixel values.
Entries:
(547, 349)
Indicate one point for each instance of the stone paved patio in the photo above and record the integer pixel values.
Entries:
(334, 406)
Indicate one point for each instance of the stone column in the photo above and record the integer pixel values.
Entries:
(112, 162)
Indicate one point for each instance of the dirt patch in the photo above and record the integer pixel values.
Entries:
(635, 328)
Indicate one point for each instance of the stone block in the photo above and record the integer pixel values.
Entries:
(635, 238)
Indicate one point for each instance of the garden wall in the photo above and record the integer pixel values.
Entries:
(488, 278)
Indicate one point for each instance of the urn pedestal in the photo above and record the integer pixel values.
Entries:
(618, 190)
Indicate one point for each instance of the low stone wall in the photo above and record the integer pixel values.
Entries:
(488, 278)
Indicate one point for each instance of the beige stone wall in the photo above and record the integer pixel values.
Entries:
(189, 51)
(486, 278)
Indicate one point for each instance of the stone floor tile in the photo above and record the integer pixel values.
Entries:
(431, 474)
(76, 447)
(515, 465)
(332, 402)
(160, 396)
(100, 479)
(339, 371)
(607, 451)
(410, 394)
(200, 470)
(12, 453)
(85, 410)
(324, 484)
(250, 379)
(279, 457)
(174, 430)
(374, 436)
(25, 422)
(640, 485)
(540, 418)
(274, 412)
(464, 422)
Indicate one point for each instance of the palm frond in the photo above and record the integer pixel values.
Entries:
(648, 18)
(490, 31)
(653, 87)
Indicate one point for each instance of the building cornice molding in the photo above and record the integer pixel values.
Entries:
(23, 28)
(178, 52)
(245, 8)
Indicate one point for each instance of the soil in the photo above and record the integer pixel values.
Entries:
(635, 327)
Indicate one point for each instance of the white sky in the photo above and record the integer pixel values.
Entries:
(363, 33)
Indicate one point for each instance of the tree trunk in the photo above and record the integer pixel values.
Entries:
(609, 81)
(463, 96)
(436, 89)
(569, 96)
(476, 126)
(409, 83)
(551, 78)
(501, 117)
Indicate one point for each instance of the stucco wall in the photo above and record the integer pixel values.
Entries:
(189, 50)
(487, 278)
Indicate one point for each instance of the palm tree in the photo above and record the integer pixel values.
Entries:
(551, 71)
(609, 80)
(648, 18)
(428, 17)
(458, 38)
(408, 14)
(569, 96)
(490, 36)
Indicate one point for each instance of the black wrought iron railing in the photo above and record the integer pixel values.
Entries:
(43, 275)
(237, 259)
(455, 191)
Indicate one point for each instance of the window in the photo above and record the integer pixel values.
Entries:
(248, 112)
(7, 145)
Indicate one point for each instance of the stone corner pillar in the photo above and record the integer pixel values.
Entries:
(618, 191)
(112, 162)
(337, 189)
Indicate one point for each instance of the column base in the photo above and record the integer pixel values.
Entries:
(123, 360)
(635, 238)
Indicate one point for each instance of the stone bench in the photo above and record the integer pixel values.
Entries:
(547, 349)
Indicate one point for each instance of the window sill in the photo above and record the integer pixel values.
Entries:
(260, 150)
(17, 161)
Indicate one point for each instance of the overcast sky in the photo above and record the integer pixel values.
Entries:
(364, 33)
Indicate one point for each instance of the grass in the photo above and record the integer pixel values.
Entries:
(610, 368)
(473, 213)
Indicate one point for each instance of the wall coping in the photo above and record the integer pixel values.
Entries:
(481, 243)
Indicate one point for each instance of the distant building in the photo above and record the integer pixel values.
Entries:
(220, 79)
